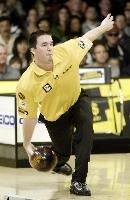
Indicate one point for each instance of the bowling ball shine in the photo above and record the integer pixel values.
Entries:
(43, 159)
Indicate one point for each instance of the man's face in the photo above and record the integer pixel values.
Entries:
(3, 55)
(44, 49)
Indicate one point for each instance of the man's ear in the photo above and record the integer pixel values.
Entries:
(32, 50)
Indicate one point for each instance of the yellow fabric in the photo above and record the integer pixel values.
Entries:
(53, 92)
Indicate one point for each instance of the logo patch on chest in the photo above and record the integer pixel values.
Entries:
(47, 87)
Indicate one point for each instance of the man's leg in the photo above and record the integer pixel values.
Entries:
(83, 140)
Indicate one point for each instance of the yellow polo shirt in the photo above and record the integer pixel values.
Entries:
(52, 92)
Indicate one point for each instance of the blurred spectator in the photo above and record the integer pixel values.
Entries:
(15, 62)
(21, 52)
(16, 14)
(114, 63)
(47, 8)
(27, 4)
(105, 7)
(120, 21)
(75, 29)
(124, 41)
(6, 38)
(100, 54)
(101, 58)
(3, 8)
(77, 7)
(127, 15)
(6, 72)
(91, 20)
(31, 22)
(112, 42)
(41, 8)
(15, 5)
(61, 23)
(44, 24)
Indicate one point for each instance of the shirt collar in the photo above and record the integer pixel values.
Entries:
(39, 71)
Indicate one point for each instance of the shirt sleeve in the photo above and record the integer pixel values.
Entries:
(26, 107)
(75, 49)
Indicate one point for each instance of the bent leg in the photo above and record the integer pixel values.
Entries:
(60, 132)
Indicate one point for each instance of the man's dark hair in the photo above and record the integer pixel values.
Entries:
(33, 37)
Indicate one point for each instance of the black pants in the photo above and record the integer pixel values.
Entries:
(79, 118)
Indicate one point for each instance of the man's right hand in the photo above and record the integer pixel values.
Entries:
(29, 148)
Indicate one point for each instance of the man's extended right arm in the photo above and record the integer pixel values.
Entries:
(28, 130)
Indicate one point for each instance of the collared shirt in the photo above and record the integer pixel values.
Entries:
(52, 92)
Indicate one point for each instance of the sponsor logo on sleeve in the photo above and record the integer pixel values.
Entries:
(82, 44)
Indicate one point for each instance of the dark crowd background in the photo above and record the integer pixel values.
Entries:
(65, 20)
